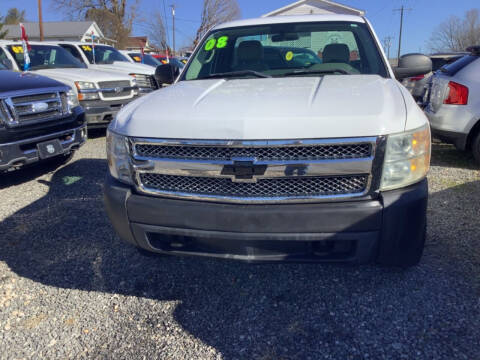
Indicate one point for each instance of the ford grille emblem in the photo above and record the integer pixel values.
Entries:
(118, 90)
(39, 106)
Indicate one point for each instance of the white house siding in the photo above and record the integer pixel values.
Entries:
(87, 35)
(305, 7)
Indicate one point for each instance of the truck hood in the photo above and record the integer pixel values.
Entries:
(70, 75)
(124, 67)
(11, 81)
(272, 108)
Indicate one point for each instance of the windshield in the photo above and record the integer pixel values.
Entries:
(103, 54)
(303, 49)
(147, 59)
(45, 57)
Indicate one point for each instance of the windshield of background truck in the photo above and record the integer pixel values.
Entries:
(44, 57)
(277, 50)
(147, 59)
(103, 54)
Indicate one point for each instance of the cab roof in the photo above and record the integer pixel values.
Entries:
(290, 19)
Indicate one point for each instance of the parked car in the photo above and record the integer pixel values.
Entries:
(40, 119)
(276, 57)
(135, 57)
(418, 85)
(107, 58)
(174, 60)
(453, 103)
(322, 162)
(102, 94)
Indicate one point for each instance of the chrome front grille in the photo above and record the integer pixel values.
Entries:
(123, 88)
(146, 81)
(295, 187)
(254, 171)
(322, 152)
(27, 109)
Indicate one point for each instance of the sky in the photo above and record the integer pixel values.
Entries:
(420, 20)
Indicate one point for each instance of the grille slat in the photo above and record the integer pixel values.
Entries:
(22, 107)
(115, 84)
(263, 188)
(304, 152)
(146, 81)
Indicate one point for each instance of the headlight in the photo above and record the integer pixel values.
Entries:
(72, 99)
(84, 85)
(134, 84)
(86, 90)
(118, 157)
(407, 158)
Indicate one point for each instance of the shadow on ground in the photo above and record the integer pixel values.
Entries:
(263, 311)
(448, 155)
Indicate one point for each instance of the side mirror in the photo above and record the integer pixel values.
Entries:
(166, 74)
(412, 65)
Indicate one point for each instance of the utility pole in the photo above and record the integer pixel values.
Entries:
(40, 19)
(173, 26)
(387, 43)
(402, 10)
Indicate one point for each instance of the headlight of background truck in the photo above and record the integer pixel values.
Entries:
(86, 90)
(407, 158)
(118, 157)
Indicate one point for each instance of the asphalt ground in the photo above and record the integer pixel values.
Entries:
(70, 288)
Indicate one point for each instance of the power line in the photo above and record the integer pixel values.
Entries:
(402, 10)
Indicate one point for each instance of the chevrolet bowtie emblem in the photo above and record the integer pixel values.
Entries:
(244, 171)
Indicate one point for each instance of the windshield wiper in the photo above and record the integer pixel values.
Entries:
(317, 72)
(235, 74)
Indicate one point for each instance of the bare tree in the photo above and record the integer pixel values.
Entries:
(2, 33)
(216, 12)
(114, 17)
(14, 16)
(156, 30)
(457, 34)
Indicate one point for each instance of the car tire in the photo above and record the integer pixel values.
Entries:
(476, 147)
(405, 254)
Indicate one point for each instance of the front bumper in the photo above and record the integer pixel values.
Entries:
(353, 231)
(99, 113)
(24, 152)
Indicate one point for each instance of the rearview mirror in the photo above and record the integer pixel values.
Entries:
(166, 74)
(412, 65)
(285, 37)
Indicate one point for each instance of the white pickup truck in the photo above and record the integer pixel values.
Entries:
(107, 58)
(101, 94)
(283, 138)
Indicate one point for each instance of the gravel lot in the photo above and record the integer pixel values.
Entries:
(70, 288)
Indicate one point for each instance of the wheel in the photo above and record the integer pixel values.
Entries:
(476, 147)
